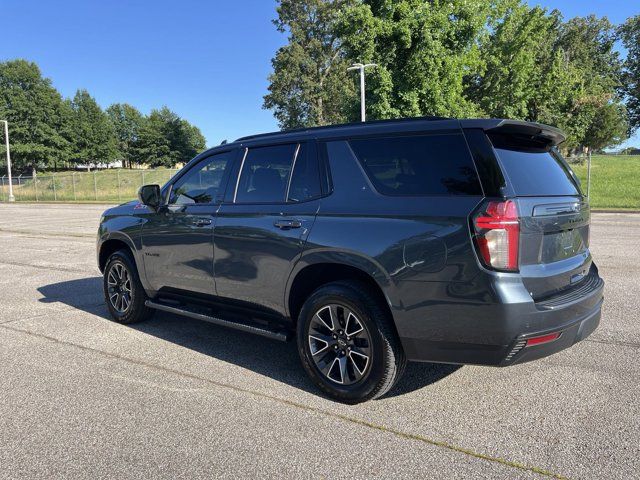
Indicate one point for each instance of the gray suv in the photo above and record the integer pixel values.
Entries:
(373, 244)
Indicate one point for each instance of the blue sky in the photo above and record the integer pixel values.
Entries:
(206, 60)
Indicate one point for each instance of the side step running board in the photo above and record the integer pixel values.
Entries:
(281, 335)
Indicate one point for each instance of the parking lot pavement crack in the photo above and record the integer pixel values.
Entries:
(257, 394)
(44, 267)
(40, 234)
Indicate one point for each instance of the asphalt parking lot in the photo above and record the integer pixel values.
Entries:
(83, 397)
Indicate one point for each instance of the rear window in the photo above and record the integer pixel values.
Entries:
(418, 165)
(534, 171)
(264, 176)
(305, 180)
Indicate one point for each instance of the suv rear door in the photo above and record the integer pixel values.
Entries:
(265, 220)
(554, 215)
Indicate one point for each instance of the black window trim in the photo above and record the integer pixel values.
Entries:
(416, 134)
(326, 180)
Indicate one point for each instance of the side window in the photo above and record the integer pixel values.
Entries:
(265, 173)
(419, 165)
(203, 183)
(305, 180)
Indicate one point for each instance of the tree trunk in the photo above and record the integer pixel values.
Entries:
(320, 111)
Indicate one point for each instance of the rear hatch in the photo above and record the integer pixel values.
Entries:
(554, 215)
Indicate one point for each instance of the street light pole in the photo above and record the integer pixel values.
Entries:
(361, 67)
(6, 142)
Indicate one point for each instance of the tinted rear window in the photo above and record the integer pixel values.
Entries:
(264, 176)
(305, 180)
(533, 173)
(418, 165)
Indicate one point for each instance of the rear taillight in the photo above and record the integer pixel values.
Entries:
(497, 234)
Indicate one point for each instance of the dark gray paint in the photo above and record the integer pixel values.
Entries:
(177, 247)
(446, 306)
(253, 257)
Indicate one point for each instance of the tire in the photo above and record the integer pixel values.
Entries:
(338, 368)
(123, 293)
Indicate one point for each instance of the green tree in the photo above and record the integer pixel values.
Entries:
(519, 67)
(188, 141)
(152, 146)
(608, 126)
(94, 134)
(630, 35)
(39, 121)
(596, 118)
(425, 51)
(310, 84)
(127, 122)
(166, 140)
(542, 69)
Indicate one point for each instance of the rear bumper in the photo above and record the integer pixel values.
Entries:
(569, 335)
(510, 325)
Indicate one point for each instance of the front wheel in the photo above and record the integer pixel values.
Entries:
(347, 343)
(123, 292)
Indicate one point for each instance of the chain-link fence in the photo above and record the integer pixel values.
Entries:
(109, 186)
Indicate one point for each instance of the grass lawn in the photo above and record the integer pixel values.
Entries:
(111, 186)
(615, 181)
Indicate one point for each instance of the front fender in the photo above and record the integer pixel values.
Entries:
(126, 229)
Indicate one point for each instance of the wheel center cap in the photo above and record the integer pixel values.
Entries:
(342, 343)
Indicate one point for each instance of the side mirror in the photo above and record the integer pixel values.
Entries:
(149, 195)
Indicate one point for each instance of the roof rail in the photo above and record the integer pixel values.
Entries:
(340, 125)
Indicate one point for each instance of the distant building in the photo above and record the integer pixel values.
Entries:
(98, 166)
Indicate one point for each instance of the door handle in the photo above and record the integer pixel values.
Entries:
(287, 224)
(202, 222)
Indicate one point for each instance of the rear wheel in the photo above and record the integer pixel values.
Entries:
(347, 343)
(123, 292)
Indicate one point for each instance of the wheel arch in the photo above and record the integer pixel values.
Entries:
(112, 244)
(317, 270)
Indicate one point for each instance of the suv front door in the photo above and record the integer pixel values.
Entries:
(261, 230)
(178, 239)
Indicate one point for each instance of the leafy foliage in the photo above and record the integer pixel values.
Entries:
(94, 134)
(424, 51)
(630, 36)
(500, 58)
(597, 116)
(519, 69)
(310, 84)
(541, 69)
(127, 122)
(166, 140)
(39, 120)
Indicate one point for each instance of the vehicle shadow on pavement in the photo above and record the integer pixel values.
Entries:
(267, 357)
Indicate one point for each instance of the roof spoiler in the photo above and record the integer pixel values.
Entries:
(551, 135)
